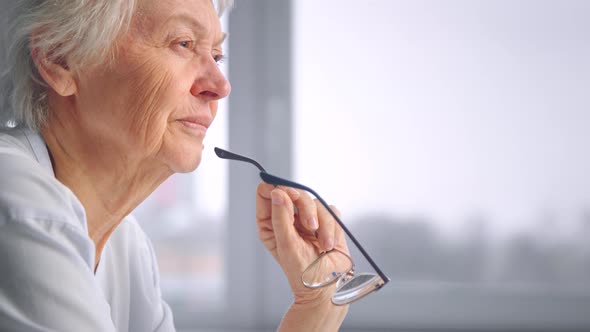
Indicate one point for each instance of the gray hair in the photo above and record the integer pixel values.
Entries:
(83, 31)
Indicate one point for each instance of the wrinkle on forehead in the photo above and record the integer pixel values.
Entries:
(152, 13)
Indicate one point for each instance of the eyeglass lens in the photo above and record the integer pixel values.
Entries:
(326, 269)
(336, 266)
(357, 287)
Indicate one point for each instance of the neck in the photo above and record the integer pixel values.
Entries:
(108, 181)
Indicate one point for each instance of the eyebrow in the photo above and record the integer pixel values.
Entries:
(195, 24)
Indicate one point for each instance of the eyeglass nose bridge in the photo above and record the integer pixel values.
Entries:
(345, 278)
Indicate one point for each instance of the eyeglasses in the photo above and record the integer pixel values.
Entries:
(332, 266)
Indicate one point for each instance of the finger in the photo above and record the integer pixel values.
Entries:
(282, 220)
(263, 200)
(335, 210)
(327, 231)
(263, 205)
(339, 238)
(294, 194)
(307, 211)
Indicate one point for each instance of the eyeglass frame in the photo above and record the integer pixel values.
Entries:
(278, 181)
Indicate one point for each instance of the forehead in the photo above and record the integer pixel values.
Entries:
(197, 14)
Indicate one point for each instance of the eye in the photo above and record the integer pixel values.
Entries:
(186, 44)
(219, 58)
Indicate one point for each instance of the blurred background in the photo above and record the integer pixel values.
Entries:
(453, 135)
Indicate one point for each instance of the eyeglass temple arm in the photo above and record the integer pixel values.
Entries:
(224, 154)
(277, 181)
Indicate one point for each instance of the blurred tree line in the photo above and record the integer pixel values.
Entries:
(414, 250)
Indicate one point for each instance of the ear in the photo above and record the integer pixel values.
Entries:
(56, 74)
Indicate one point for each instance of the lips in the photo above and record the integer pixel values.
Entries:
(196, 123)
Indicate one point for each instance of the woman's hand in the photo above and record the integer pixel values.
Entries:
(296, 239)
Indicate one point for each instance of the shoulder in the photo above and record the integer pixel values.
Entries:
(29, 191)
(36, 206)
(10, 142)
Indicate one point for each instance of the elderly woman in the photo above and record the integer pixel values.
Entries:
(104, 100)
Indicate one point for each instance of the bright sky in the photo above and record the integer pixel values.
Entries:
(445, 109)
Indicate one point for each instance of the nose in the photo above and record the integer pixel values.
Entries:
(211, 83)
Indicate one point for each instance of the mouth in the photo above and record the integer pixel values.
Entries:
(196, 125)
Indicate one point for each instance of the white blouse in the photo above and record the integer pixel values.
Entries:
(47, 282)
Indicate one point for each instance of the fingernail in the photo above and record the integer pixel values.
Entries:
(313, 223)
(276, 198)
(293, 192)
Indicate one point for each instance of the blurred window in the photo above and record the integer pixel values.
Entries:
(453, 136)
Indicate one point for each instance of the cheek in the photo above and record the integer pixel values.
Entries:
(213, 106)
(151, 99)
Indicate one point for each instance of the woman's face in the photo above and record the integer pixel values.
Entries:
(159, 96)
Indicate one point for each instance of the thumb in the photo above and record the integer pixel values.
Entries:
(282, 220)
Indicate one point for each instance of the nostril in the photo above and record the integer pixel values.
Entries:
(209, 94)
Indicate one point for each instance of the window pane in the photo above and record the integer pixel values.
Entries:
(453, 137)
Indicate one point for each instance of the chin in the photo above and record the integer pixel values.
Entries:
(185, 162)
(188, 165)
(181, 153)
